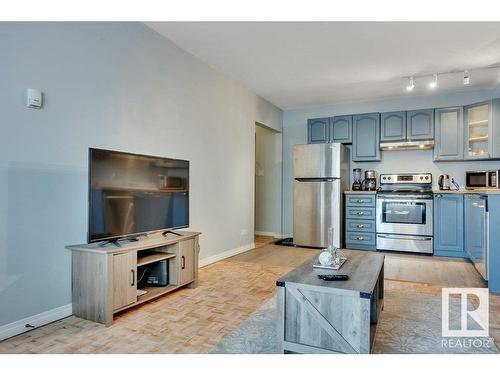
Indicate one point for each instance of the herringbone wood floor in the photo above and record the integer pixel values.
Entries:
(186, 321)
(193, 320)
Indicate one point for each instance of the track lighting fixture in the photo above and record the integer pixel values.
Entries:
(433, 84)
(411, 84)
(433, 79)
(466, 77)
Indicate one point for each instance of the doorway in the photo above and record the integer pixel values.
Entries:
(268, 162)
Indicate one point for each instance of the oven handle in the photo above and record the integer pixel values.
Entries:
(384, 200)
(396, 237)
(403, 197)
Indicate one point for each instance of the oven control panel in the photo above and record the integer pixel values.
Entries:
(406, 178)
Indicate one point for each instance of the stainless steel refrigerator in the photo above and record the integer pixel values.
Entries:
(321, 175)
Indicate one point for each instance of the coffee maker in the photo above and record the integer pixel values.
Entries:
(357, 183)
(370, 181)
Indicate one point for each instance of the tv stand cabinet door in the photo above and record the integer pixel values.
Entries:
(186, 261)
(124, 279)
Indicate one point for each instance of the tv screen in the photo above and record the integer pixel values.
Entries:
(132, 194)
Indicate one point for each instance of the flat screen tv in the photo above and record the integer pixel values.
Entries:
(131, 194)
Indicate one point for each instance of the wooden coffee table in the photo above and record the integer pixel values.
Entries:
(317, 316)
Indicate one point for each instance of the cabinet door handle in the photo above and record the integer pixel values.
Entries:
(133, 277)
(360, 238)
(183, 259)
(360, 226)
(359, 213)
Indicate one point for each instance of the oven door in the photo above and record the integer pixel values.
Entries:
(405, 214)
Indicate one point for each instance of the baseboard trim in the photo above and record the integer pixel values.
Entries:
(18, 327)
(268, 234)
(226, 254)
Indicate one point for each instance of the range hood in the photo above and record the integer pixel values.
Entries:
(407, 145)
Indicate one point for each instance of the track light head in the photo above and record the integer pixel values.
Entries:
(433, 84)
(466, 77)
(411, 84)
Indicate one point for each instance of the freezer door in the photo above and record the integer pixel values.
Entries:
(317, 160)
(316, 209)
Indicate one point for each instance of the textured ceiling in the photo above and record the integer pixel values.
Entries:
(300, 64)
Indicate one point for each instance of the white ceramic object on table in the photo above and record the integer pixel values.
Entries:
(325, 258)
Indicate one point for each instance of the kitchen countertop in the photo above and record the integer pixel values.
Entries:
(437, 191)
(467, 191)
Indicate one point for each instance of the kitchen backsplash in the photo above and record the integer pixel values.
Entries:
(422, 161)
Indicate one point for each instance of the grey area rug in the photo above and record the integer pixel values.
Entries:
(409, 324)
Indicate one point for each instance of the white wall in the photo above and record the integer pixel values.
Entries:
(118, 86)
(268, 168)
(295, 132)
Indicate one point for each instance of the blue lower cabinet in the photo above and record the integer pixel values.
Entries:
(361, 212)
(474, 233)
(354, 225)
(360, 240)
(360, 221)
(358, 200)
(449, 225)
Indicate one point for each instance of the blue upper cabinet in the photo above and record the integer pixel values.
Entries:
(420, 124)
(495, 132)
(318, 130)
(449, 225)
(392, 126)
(478, 131)
(341, 129)
(482, 130)
(449, 134)
(366, 137)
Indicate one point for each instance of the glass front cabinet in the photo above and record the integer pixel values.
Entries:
(478, 131)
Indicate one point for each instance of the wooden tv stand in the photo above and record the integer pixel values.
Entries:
(104, 278)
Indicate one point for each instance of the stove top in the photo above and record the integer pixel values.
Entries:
(405, 183)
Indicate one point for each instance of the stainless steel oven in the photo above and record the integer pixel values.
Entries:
(404, 213)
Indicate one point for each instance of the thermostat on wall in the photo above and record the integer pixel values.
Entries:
(34, 98)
